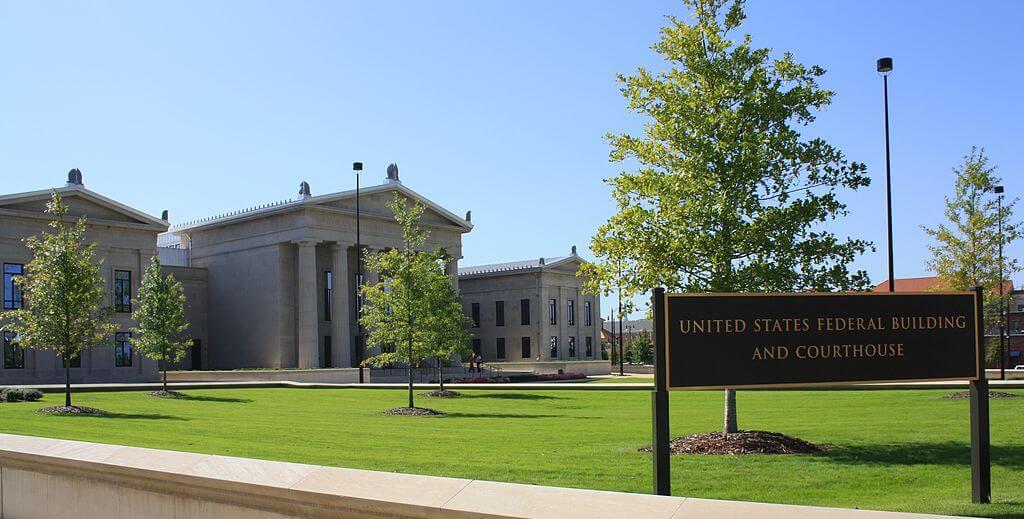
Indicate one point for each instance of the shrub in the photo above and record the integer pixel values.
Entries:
(33, 395)
(13, 394)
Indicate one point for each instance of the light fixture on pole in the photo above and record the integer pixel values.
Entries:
(998, 190)
(884, 67)
(356, 168)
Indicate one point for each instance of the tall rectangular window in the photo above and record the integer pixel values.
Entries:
(328, 293)
(499, 313)
(572, 346)
(12, 295)
(122, 349)
(554, 347)
(14, 355)
(590, 346)
(525, 342)
(588, 319)
(553, 311)
(476, 346)
(475, 310)
(76, 361)
(524, 312)
(123, 291)
(500, 348)
(570, 312)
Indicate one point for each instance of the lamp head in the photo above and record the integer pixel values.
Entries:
(357, 166)
(884, 66)
(997, 190)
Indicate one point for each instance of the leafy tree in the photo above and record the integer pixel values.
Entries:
(160, 314)
(726, 194)
(641, 349)
(966, 253)
(446, 325)
(64, 292)
(399, 316)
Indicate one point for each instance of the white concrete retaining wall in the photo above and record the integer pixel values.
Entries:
(312, 376)
(587, 367)
(46, 478)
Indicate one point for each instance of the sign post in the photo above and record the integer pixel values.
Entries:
(981, 465)
(659, 402)
(718, 341)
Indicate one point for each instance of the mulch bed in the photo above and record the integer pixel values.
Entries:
(413, 411)
(739, 443)
(66, 410)
(442, 393)
(167, 394)
(991, 394)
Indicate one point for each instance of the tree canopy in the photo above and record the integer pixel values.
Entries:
(722, 192)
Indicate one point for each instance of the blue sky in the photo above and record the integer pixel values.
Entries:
(206, 107)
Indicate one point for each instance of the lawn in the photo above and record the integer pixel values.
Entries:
(635, 379)
(889, 449)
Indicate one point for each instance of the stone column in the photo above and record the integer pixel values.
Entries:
(451, 268)
(341, 333)
(308, 355)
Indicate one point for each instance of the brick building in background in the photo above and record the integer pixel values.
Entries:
(1014, 316)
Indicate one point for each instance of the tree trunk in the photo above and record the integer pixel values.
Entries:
(67, 380)
(165, 367)
(409, 367)
(440, 371)
(730, 412)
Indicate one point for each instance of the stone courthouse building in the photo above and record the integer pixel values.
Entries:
(274, 286)
(531, 310)
(282, 277)
(125, 242)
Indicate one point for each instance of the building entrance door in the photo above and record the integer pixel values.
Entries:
(197, 355)
(327, 351)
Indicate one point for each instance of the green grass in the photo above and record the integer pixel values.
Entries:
(901, 450)
(637, 379)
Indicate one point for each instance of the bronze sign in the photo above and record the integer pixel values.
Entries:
(772, 340)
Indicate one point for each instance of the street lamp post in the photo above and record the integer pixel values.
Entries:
(621, 351)
(998, 190)
(356, 168)
(884, 67)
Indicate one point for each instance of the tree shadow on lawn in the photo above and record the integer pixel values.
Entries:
(516, 396)
(216, 399)
(519, 415)
(919, 453)
(130, 416)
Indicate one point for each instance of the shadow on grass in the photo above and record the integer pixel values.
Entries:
(516, 396)
(216, 399)
(520, 415)
(502, 415)
(940, 453)
(129, 416)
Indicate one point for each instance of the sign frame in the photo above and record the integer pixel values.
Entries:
(981, 466)
(668, 348)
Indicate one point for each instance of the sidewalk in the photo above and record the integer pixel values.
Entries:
(572, 386)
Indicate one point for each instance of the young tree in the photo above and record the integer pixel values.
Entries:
(641, 349)
(966, 253)
(64, 293)
(727, 196)
(446, 325)
(160, 314)
(398, 310)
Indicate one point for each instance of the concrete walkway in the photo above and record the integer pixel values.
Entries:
(568, 385)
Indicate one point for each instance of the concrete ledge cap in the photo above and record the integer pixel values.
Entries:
(299, 490)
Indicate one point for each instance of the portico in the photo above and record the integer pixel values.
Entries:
(282, 277)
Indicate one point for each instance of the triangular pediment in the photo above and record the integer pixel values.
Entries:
(374, 201)
(81, 202)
